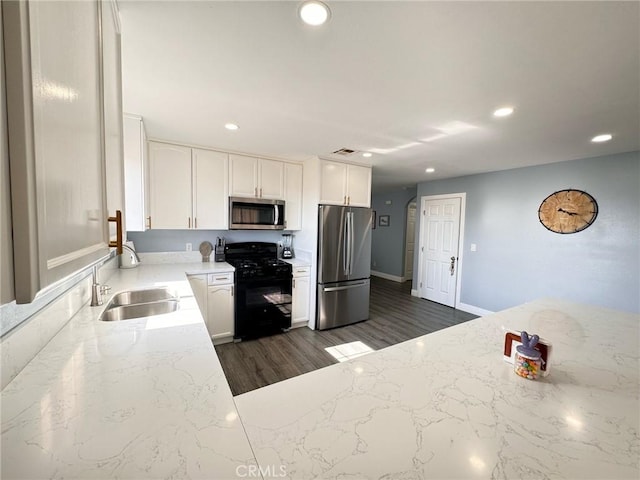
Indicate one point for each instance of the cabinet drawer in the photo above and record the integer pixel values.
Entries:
(301, 271)
(220, 278)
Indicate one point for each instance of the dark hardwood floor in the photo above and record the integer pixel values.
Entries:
(395, 316)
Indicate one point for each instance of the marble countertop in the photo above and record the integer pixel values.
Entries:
(140, 398)
(446, 405)
(147, 398)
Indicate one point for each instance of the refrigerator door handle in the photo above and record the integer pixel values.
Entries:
(346, 287)
(345, 247)
(351, 250)
(349, 242)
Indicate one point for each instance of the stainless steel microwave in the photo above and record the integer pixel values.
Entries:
(255, 214)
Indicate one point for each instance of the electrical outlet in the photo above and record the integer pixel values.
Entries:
(189, 247)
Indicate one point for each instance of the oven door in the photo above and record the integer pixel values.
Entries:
(263, 307)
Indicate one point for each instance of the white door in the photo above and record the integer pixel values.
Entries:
(410, 241)
(439, 249)
(210, 191)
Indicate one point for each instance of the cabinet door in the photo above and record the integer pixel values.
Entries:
(293, 196)
(210, 191)
(333, 183)
(220, 311)
(170, 185)
(199, 286)
(300, 299)
(243, 176)
(359, 186)
(54, 112)
(136, 174)
(113, 145)
(271, 176)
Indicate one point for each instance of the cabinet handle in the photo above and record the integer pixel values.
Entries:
(189, 222)
(118, 241)
(149, 222)
(349, 200)
(232, 290)
(345, 200)
(294, 283)
(255, 192)
(260, 192)
(195, 222)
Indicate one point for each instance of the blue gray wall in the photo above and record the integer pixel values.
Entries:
(176, 240)
(518, 260)
(387, 243)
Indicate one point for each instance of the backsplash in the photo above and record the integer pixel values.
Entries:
(176, 240)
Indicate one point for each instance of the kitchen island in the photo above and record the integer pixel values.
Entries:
(446, 405)
(147, 398)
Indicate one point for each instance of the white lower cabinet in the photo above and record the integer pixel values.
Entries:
(301, 288)
(220, 307)
(214, 294)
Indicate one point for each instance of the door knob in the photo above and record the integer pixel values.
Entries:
(452, 267)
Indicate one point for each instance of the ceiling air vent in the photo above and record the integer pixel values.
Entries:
(344, 151)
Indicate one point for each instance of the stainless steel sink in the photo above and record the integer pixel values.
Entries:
(133, 297)
(125, 312)
(140, 303)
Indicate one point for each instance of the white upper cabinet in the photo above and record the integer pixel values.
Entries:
(112, 88)
(188, 187)
(256, 177)
(345, 184)
(170, 186)
(293, 196)
(211, 192)
(54, 111)
(136, 176)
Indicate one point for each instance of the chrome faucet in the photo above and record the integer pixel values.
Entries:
(97, 290)
(130, 259)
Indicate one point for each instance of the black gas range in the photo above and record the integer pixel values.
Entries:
(263, 289)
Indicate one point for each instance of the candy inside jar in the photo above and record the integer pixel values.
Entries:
(528, 362)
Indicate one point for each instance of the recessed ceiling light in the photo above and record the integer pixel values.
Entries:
(503, 112)
(430, 170)
(367, 154)
(314, 13)
(231, 126)
(605, 137)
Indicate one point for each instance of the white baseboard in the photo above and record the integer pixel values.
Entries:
(481, 312)
(414, 292)
(387, 276)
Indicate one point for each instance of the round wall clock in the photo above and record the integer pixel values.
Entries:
(568, 211)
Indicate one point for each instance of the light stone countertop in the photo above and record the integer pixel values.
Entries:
(147, 398)
(140, 398)
(446, 405)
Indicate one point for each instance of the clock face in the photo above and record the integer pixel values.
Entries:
(568, 211)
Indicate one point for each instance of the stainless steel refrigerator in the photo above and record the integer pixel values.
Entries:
(344, 265)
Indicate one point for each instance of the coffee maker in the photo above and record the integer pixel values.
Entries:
(287, 251)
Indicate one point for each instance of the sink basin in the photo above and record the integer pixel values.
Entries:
(125, 312)
(147, 295)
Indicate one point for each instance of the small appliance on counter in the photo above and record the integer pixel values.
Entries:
(205, 250)
(287, 250)
(219, 254)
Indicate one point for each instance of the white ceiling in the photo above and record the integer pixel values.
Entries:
(389, 78)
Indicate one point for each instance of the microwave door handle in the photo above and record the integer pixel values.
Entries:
(277, 214)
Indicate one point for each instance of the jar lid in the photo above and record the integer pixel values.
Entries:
(528, 352)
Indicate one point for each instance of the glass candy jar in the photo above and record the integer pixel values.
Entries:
(528, 362)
